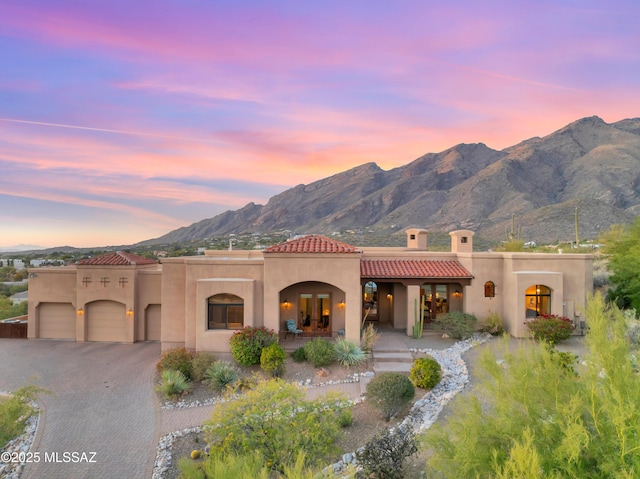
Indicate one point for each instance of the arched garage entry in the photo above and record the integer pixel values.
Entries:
(106, 321)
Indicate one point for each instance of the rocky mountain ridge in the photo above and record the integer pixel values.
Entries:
(589, 164)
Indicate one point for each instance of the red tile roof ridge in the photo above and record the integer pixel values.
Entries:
(312, 243)
(412, 268)
(118, 258)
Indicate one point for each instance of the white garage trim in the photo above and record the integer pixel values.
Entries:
(106, 321)
(56, 321)
(152, 322)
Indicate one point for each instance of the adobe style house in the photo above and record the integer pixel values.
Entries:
(327, 287)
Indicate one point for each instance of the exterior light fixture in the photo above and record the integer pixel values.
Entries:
(341, 304)
(389, 296)
(286, 304)
(457, 294)
(80, 311)
(130, 312)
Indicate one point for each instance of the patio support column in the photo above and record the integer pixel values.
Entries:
(413, 296)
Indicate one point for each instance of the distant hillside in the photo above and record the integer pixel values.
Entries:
(589, 165)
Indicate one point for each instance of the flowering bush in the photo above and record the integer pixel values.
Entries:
(550, 328)
(248, 343)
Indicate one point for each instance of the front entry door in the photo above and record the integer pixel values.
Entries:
(315, 312)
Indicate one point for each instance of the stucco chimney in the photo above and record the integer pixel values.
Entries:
(416, 238)
(462, 241)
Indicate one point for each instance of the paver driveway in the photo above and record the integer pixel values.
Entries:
(102, 401)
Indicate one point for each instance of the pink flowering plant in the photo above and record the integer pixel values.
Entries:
(550, 328)
(247, 344)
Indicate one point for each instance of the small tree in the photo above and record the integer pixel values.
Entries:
(276, 420)
(248, 343)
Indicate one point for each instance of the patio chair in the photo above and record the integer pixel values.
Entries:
(292, 329)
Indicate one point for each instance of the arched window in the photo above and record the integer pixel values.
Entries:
(537, 300)
(225, 311)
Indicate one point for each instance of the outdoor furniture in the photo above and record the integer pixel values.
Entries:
(292, 329)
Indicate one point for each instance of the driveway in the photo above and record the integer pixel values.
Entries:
(102, 401)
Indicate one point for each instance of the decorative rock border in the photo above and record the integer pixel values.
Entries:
(20, 445)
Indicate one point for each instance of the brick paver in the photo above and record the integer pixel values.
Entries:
(102, 401)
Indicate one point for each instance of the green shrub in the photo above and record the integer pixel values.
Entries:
(248, 343)
(221, 375)
(319, 352)
(276, 420)
(550, 328)
(272, 360)
(199, 365)
(383, 456)
(299, 356)
(425, 372)
(348, 353)
(390, 393)
(15, 410)
(345, 418)
(178, 359)
(457, 324)
(492, 324)
(172, 383)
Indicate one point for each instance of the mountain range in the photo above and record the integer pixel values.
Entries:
(537, 184)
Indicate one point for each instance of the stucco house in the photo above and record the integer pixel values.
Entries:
(326, 286)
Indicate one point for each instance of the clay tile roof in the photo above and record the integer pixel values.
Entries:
(412, 268)
(312, 244)
(118, 258)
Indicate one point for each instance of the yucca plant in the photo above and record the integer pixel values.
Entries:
(221, 375)
(173, 383)
(348, 353)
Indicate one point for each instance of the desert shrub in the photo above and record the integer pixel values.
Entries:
(550, 328)
(272, 360)
(240, 466)
(492, 324)
(348, 353)
(319, 352)
(199, 365)
(537, 420)
(247, 344)
(299, 355)
(565, 359)
(172, 383)
(178, 359)
(457, 324)
(369, 337)
(276, 420)
(15, 410)
(425, 372)
(345, 417)
(221, 375)
(383, 456)
(390, 393)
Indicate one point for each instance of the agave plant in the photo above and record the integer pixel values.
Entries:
(173, 383)
(221, 375)
(348, 353)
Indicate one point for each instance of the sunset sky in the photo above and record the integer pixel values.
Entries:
(121, 121)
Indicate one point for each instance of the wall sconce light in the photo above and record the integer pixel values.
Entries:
(341, 304)
(457, 294)
(130, 312)
(286, 304)
(389, 296)
(80, 311)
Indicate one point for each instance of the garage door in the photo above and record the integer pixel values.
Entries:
(57, 321)
(152, 322)
(106, 321)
